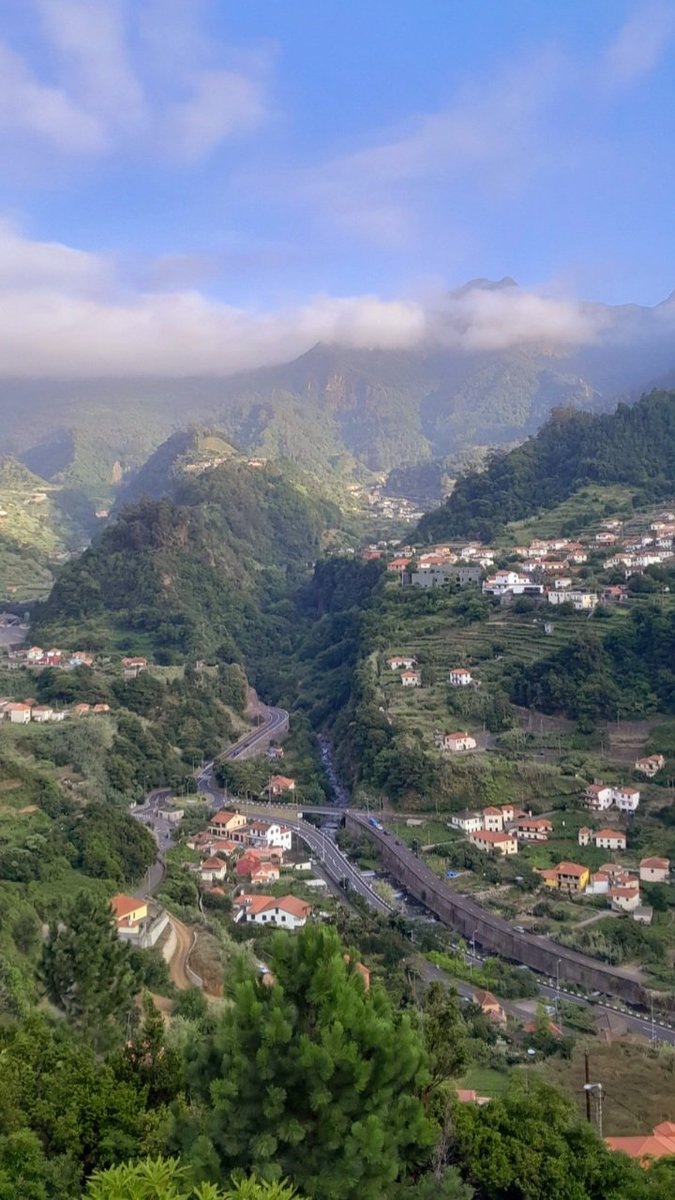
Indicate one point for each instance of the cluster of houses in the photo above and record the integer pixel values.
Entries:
(24, 712)
(251, 851)
(35, 656)
(601, 796)
(617, 883)
(498, 830)
(407, 668)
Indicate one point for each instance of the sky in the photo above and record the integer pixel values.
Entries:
(205, 185)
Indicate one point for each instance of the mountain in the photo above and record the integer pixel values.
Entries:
(188, 573)
(634, 446)
(487, 372)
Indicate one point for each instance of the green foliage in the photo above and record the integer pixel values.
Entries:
(634, 446)
(312, 1078)
(494, 975)
(85, 969)
(165, 1179)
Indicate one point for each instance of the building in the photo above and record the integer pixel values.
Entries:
(266, 873)
(454, 742)
(626, 799)
(271, 834)
(598, 884)
(212, 869)
(279, 784)
(411, 679)
(19, 714)
(224, 823)
(460, 677)
(467, 821)
(647, 1146)
(495, 843)
(508, 812)
(567, 876)
(511, 583)
(400, 661)
(584, 836)
(489, 1006)
(534, 829)
(600, 796)
(42, 713)
(651, 765)
(493, 819)
(624, 899)
(609, 839)
(128, 911)
(581, 601)
(654, 870)
(286, 911)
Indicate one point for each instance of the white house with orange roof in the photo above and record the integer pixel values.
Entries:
(285, 911)
(460, 677)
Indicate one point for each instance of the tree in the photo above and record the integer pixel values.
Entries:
(165, 1179)
(85, 968)
(445, 1032)
(312, 1078)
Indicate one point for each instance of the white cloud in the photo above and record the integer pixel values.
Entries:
(66, 314)
(641, 42)
(116, 88)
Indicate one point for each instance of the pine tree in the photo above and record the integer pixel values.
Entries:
(312, 1078)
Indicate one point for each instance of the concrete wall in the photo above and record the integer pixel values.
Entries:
(490, 931)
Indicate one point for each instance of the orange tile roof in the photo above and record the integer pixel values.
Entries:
(662, 863)
(122, 906)
(570, 868)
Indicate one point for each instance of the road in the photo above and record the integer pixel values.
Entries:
(179, 959)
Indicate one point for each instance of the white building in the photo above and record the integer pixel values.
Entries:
(654, 870)
(402, 660)
(580, 600)
(285, 911)
(467, 821)
(454, 742)
(411, 679)
(19, 714)
(609, 839)
(600, 796)
(495, 843)
(626, 799)
(651, 765)
(513, 583)
(460, 677)
(493, 819)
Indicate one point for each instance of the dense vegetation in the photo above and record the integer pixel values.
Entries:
(634, 446)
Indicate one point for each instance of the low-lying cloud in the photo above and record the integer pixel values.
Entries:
(66, 313)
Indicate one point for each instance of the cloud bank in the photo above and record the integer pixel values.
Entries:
(66, 313)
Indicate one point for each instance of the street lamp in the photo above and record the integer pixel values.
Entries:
(473, 945)
(557, 986)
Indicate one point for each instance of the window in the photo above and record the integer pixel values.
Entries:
(283, 917)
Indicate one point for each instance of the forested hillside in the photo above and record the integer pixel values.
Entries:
(633, 446)
(187, 574)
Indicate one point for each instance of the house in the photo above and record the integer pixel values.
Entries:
(609, 839)
(511, 583)
(624, 899)
(277, 835)
(469, 1096)
(534, 829)
(581, 601)
(266, 873)
(489, 1006)
(467, 821)
(80, 710)
(135, 663)
(567, 876)
(35, 654)
(647, 1146)
(455, 742)
(275, 753)
(401, 660)
(651, 765)
(100, 709)
(80, 658)
(598, 884)
(584, 836)
(200, 841)
(626, 799)
(598, 796)
(654, 870)
(42, 713)
(508, 812)
(460, 677)
(495, 843)
(643, 914)
(19, 714)
(247, 864)
(128, 911)
(212, 868)
(493, 819)
(398, 564)
(411, 679)
(279, 784)
(222, 847)
(224, 822)
(286, 911)
(53, 657)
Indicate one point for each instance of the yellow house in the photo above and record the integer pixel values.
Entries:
(128, 911)
(571, 877)
(224, 823)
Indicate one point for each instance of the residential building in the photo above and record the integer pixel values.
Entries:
(100, 709)
(567, 876)
(42, 713)
(286, 911)
(598, 884)
(128, 911)
(469, 1096)
(279, 784)
(468, 822)
(402, 661)
(266, 873)
(534, 829)
(411, 679)
(647, 1146)
(460, 677)
(19, 714)
(511, 583)
(224, 823)
(598, 797)
(609, 839)
(211, 869)
(584, 836)
(654, 870)
(581, 601)
(35, 654)
(624, 899)
(493, 820)
(81, 710)
(455, 742)
(643, 914)
(275, 753)
(626, 799)
(651, 765)
(495, 843)
(489, 1006)
(508, 812)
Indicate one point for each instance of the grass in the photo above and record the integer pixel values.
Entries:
(638, 1086)
(485, 1081)
(585, 507)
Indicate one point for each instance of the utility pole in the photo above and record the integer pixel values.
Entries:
(596, 1090)
(587, 1088)
(557, 988)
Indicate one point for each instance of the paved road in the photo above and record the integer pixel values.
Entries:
(337, 865)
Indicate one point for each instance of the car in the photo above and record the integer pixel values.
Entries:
(519, 929)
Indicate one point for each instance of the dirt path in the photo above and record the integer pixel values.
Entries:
(178, 963)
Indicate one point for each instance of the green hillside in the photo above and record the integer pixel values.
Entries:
(633, 447)
(38, 530)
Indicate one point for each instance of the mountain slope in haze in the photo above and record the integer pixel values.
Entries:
(634, 446)
(188, 573)
(340, 409)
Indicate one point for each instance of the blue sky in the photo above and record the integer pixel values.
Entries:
(262, 172)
